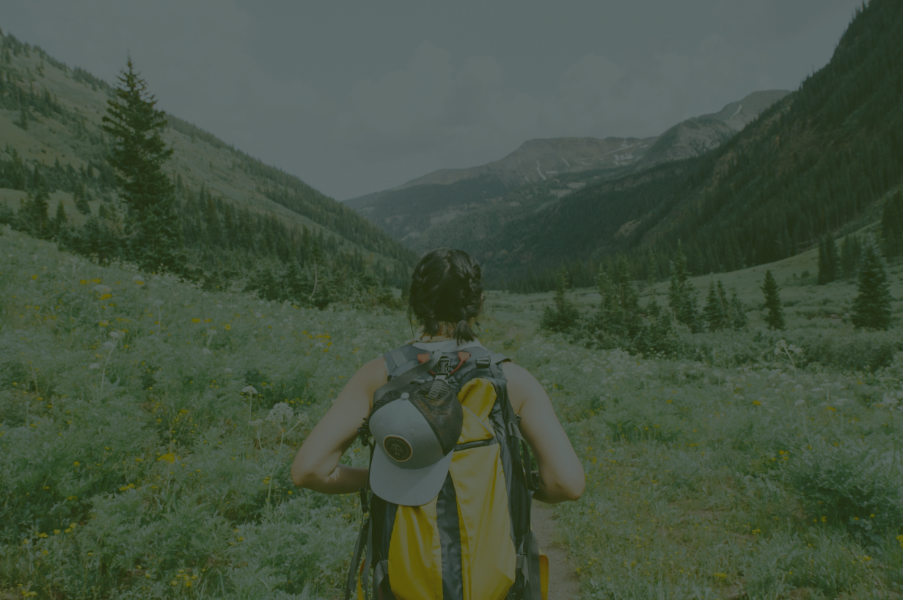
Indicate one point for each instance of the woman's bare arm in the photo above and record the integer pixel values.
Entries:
(560, 472)
(316, 465)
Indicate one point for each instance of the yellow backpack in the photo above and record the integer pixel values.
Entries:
(473, 541)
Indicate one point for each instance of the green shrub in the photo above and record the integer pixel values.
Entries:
(852, 485)
(852, 351)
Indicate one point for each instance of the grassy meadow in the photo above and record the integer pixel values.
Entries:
(147, 428)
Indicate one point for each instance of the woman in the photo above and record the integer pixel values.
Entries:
(446, 298)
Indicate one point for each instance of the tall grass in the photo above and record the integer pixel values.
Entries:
(147, 428)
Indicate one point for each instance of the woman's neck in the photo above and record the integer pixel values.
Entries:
(443, 334)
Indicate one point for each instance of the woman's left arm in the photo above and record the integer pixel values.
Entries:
(316, 465)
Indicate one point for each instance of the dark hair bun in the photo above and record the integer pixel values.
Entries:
(447, 287)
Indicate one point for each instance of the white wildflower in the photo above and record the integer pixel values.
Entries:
(109, 345)
(280, 413)
(207, 351)
(249, 389)
(94, 366)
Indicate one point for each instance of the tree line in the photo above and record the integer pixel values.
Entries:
(164, 225)
(619, 321)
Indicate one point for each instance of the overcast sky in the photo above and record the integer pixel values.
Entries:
(356, 97)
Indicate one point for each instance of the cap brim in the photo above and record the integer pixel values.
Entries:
(407, 487)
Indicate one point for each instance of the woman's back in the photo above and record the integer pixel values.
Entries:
(450, 507)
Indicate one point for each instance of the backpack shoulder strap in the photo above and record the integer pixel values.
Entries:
(401, 359)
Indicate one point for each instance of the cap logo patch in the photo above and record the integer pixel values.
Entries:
(398, 448)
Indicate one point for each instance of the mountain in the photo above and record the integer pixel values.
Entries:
(452, 206)
(235, 211)
(823, 159)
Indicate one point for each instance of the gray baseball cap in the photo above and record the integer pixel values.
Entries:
(409, 465)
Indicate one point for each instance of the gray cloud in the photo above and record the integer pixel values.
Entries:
(355, 98)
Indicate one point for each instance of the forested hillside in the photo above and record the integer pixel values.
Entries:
(460, 207)
(821, 160)
(239, 219)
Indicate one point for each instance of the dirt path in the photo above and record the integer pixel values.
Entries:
(563, 583)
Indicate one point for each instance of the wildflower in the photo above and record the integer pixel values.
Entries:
(280, 413)
(168, 457)
(249, 389)
(195, 320)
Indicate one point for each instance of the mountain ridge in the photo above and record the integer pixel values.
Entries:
(451, 206)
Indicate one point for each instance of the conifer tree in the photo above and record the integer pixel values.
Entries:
(657, 335)
(138, 153)
(34, 215)
(561, 315)
(295, 283)
(849, 257)
(651, 268)
(716, 308)
(871, 308)
(81, 200)
(892, 226)
(59, 222)
(738, 312)
(682, 293)
(828, 262)
(775, 316)
(23, 116)
(628, 303)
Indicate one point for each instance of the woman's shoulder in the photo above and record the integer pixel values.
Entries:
(522, 386)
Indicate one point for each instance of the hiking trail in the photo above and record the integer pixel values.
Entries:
(563, 582)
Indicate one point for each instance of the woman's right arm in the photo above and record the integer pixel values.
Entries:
(561, 475)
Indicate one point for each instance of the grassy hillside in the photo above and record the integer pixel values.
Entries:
(815, 162)
(50, 117)
(147, 428)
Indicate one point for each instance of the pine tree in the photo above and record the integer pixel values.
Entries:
(849, 258)
(713, 312)
(717, 309)
(828, 261)
(23, 116)
(682, 293)
(775, 316)
(295, 284)
(651, 268)
(738, 312)
(137, 155)
(892, 226)
(657, 335)
(822, 262)
(561, 315)
(34, 215)
(628, 303)
(81, 200)
(871, 308)
(59, 222)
